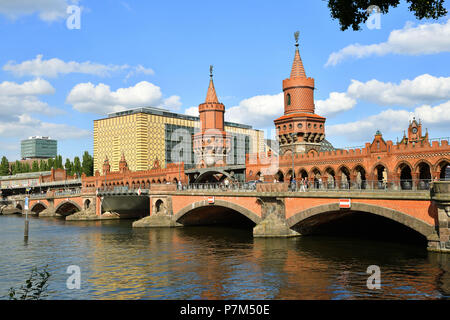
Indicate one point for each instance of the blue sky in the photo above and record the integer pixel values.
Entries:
(55, 80)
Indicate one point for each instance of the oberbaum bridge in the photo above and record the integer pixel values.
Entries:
(288, 192)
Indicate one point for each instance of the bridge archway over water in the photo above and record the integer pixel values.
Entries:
(315, 220)
(221, 212)
(38, 208)
(67, 208)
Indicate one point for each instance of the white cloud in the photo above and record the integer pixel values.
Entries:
(193, 111)
(336, 103)
(18, 99)
(49, 10)
(53, 67)
(139, 69)
(423, 39)
(392, 121)
(423, 89)
(27, 126)
(87, 97)
(259, 111)
(34, 87)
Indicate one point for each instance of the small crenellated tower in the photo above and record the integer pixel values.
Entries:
(212, 143)
(299, 129)
(123, 165)
(414, 133)
(106, 166)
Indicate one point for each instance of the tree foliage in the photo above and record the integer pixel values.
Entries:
(34, 288)
(78, 167)
(354, 12)
(4, 167)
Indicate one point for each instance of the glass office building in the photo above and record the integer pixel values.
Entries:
(38, 147)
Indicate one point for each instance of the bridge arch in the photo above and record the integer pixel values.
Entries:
(38, 207)
(413, 223)
(67, 208)
(253, 217)
(210, 173)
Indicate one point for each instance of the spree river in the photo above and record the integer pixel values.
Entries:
(119, 262)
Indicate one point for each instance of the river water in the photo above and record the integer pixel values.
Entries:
(119, 262)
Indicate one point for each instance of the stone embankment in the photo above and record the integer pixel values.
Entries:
(90, 215)
(9, 209)
(156, 220)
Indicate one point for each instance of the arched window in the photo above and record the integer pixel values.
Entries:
(288, 97)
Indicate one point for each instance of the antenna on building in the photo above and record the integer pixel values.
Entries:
(296, 35)
(211, 71)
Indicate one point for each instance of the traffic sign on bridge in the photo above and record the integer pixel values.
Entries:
(345, 203)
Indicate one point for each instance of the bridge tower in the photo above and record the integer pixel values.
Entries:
(212, 143)
(299, 129)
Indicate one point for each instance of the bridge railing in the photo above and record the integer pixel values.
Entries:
(318, 185)
(364, 185)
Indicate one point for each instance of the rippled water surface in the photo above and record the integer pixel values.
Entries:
(118, 262)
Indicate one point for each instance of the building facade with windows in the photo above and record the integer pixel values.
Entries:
(38, 147)
(146, 135)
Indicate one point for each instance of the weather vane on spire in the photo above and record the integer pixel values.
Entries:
(296, 34)
(211, 71)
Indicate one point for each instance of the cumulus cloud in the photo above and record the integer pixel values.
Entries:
(392, 121)
(193, 111)
(423, 89)
(48, 10)
(87, 97)
(139, 70)
(423, 39)
(336, 103)
(258, 110)
(18, 99)
(25, 126)
(54, 67)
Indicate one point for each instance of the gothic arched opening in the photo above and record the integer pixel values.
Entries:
(331, 178)
(443, 167)
(279, 176)
(360, 174)
(424, 176)
(405, 177)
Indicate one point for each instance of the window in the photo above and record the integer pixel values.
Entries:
(299, 125)
(288, 98)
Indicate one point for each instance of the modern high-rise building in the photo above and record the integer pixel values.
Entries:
(38, 147)
(147, 134)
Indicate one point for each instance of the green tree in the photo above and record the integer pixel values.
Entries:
(77, 166)
(59, 162)
(26, 167)
(17, 167)
(35, 166)
(88, 164)
(43, 165)
(354, 12)
(4, 167)
(50, 164)
(69, 167)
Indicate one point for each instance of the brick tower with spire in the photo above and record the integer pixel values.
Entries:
(299, 130)
(212, 143)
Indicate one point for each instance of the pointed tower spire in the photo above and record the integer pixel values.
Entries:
(298, 71)
(211, 96)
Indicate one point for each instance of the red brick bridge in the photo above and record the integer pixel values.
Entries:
(273, 212)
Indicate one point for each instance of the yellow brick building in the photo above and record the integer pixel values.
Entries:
(145, 135)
